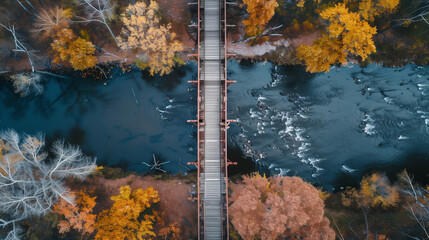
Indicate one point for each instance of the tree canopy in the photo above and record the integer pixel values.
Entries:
(369, 9)
(125, 219)
(260, 12)
(346, 33)
(375, 191)
(78, 215)
(73, 49)
(143, 31)
(269, 208)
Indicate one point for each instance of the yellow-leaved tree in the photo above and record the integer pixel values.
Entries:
(373, 8)
(144, 32)
(301, 3)
(260, 12)
(79, 215)
(346, 33)
(73, 49)
(125, 219)
(375, 191)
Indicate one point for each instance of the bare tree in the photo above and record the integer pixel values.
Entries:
(19, 45)
(98, 11)
(417, 202)
(30, 182)
(50, 20)
(421, 13)
(26, 83)
(157, 164)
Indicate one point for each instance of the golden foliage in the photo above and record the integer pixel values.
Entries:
(301, 3)
(75, 50)
(345, 34)
(369, 9)
(260, 12)
(375, 190)
(323, 194)
(171, 231)
(123, 220)
(78, 215)
(143, 31)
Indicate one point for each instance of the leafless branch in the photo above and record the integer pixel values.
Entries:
(19, 46)
(419, 207)
(157, 165)
(30, 183)
(98, 11)
(264, 33)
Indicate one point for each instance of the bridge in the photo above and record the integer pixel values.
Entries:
(212, 123)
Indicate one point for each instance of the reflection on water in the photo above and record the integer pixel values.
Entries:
(121, 123)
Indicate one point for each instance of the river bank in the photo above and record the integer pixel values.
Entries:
(397, 45)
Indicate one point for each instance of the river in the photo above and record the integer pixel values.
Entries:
(328, 128)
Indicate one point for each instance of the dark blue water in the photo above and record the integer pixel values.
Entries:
(327, 128)
(122, 123)
(334, 127)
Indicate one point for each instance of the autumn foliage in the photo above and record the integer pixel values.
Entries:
(375, 191)
(346, 33)
(260, 12)
(369, 9)
(75, 50)
(125, 219)
(279, 207)
(78, 215)
(143, 31)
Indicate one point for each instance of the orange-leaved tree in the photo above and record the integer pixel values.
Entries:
(73, 49)
(260, 12)
(79, 215)
(125, 219)
(278, 207)
(346, 33)
(375, 191)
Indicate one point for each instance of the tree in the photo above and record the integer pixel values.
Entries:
(375, 191)
(171, 231)
(20, 46)
(99, 11)
(345, 34)
(75, 50)
(417, 199)
(279, 207)
(51, 20)
(143, 31)
(418, 11)
(78, 215)
(260, 12)
(369, 9)
(30, 181)
(26, 83)
(125, 219)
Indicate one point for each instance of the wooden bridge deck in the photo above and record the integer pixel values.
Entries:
(212, 198)
(212, 124)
